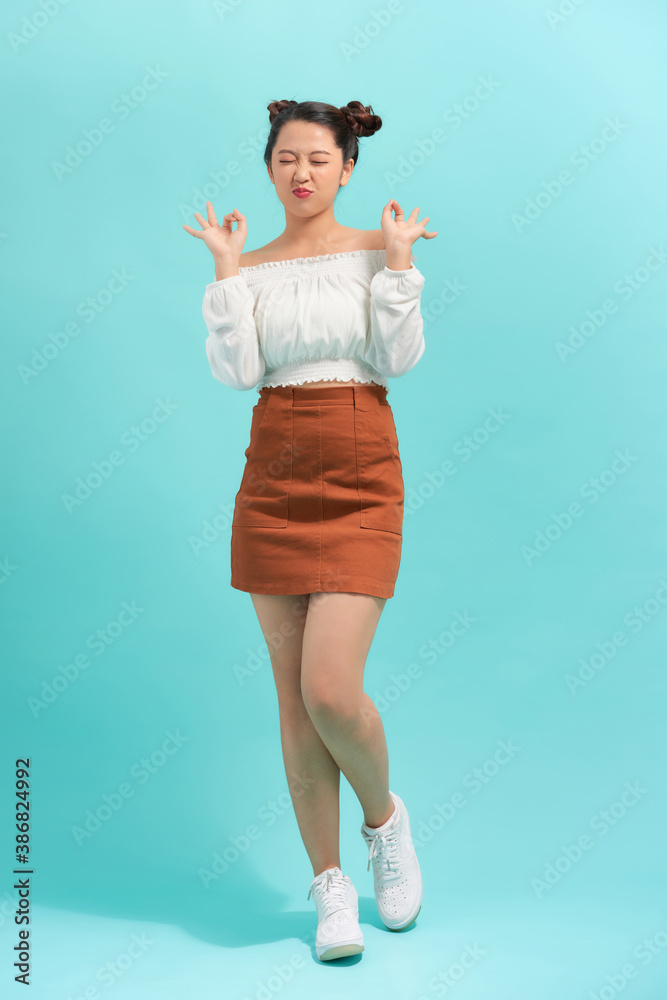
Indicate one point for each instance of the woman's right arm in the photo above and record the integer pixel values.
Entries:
(226, 267)
(232, 346)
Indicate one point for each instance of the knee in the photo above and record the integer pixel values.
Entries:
(325, 702)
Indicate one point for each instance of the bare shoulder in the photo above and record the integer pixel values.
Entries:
(253, 257)
(370, 239)
(361, 239)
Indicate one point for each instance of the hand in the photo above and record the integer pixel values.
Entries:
(220, 240)
(398, 232)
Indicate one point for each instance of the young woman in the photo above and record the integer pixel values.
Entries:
(317, 320)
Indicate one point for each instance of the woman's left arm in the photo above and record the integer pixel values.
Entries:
(395, 340)
(395, 337)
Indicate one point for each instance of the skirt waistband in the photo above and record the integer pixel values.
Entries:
(301, 395)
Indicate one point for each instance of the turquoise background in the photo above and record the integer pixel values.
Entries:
(565, 659)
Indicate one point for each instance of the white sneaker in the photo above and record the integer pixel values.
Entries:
(396, 873)
(338, 930)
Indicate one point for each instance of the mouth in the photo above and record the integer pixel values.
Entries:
(301, 192)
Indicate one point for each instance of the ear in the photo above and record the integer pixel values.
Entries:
(347, 172)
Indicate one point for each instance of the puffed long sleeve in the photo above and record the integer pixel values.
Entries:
(232, 346)
(396, 324)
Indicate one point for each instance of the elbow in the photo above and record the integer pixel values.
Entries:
(235, 380)
(399, 358)
(244, 386)
(241, 374)
(406, 364)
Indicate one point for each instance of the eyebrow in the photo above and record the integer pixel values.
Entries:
(325, 151)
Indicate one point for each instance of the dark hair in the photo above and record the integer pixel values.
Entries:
(346, 124)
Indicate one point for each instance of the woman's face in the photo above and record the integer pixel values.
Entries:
(306, 156)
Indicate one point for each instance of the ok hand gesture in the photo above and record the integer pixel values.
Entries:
(398, 231)
(220, 239)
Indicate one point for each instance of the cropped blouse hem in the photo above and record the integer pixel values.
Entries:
(322, 369)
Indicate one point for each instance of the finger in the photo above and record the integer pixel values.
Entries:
(210, 212)
(192, 231)
(232, 217)
(202, 222)
(228, 223)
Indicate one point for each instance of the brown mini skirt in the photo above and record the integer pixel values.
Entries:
(320, 506)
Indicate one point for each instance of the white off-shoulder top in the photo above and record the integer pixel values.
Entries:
(336, 317)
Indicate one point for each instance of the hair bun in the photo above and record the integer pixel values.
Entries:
(361, 119)
(275, 107)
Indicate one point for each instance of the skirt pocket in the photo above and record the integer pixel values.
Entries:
(262, 499)
(391, 438)
(379, 470)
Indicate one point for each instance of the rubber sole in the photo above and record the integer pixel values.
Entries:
(404, 927)
(341, 951)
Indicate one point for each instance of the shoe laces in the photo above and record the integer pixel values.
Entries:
(384, 851)
(331, 887)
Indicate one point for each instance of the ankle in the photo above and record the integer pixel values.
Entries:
(380, 818)
(320, 871)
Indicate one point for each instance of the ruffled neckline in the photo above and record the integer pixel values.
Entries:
(340, 255)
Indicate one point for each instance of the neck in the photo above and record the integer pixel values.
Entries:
(317, 234)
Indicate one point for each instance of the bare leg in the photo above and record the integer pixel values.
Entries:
(337, 636)
(313, 775)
